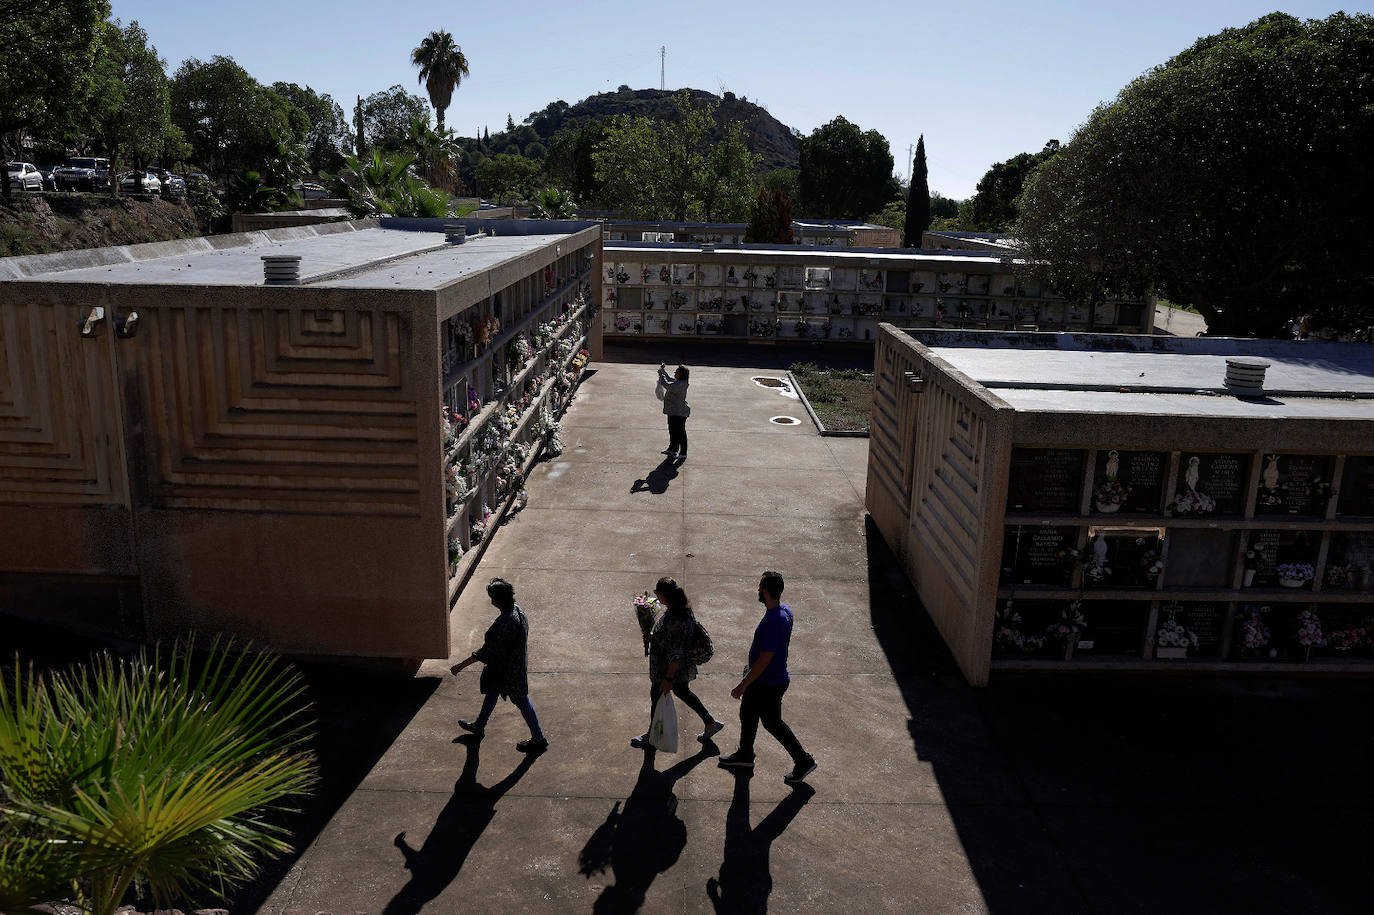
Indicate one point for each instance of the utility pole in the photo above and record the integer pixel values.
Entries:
(662, 62)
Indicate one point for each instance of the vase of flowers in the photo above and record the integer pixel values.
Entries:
(1066, 630)
(1295, 574)
(1309, 632)
(1254, 632)
(1193, 502)
(1109, 496)
(1173, 639)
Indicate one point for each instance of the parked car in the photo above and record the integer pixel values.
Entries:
(48, 183)
(198, 180)
(82, 173)
(128, 182)
(173, 185)
(24, 176)
(309, 190)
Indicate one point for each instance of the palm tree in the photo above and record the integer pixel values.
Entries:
(442, 68)
(155, 773)
(552, 203)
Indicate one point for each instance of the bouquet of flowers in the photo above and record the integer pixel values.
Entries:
(1007, 636)
(1310, 629)
(1254, 632)
(646, 608)
(1346, 639)
(1109, 495)
(1173, 634)
(1071, 622)
(1194, 503)
(454, 482)
(455, 550)
(1297, 571)
(450, 430)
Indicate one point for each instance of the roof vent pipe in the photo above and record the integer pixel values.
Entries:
(455, 234)
(1245, 377)
(281, 269)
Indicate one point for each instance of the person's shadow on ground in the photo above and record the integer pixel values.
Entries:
(641, 841)
(745, 881)
(459, 825)
(658, 479)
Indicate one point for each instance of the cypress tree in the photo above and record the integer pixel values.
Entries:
(770, 219)
(917, 199)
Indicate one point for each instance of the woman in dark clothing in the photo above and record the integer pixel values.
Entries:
(670, 658)
(675, 408)
(504, 651)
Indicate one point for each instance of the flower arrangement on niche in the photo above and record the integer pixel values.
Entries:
(455, 551)
(1007, 634)
(1254, 632)
(763, 327)
(1173, 634)
(1192, 502)
(1295, 574)
(1309, 631)
(1071, 623)
(1109, 496)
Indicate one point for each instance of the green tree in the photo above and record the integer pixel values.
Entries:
(787, 180)
(329, 136)
(1232, 178)
(46, 64)
(917, 199)
(442, 68)
(845, 172)
(770, 219)
(941, 207)
(552, 203)
(570, 160)
(675, 169)
(993, 207)
(157, 771)
(231, 121)
(388, 115)
(436, 154)
(130, 104)
(503, 176)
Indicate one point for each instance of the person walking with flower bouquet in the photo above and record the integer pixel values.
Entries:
(765, 680)
(675, 408)
(504, 651)
(670, 658)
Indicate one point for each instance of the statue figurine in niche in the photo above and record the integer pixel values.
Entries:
(1269, 491)
(1098, 569)
(1113, 465)
(1190, 476)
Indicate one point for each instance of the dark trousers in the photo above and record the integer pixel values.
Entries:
(677, 434)
(689, 698)
(762, 702)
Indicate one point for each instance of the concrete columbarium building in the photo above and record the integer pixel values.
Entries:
(765, 293)
(299, 437)
(1130, 502)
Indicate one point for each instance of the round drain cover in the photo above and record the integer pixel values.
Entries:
(785, 420)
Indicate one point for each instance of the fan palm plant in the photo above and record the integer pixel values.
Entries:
(383, 184)
(156, 773)
(442, 68)
(552, 203)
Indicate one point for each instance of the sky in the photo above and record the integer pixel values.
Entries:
(982, 81)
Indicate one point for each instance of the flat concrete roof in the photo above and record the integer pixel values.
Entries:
(849, 257)
(367, 259)
(1106, 373)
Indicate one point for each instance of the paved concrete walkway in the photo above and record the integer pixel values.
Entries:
(1179, 323)
(593, 825)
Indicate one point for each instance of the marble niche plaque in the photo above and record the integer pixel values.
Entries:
(1035, 554)
(1274, 548)
(1206, 620)
(1350, 561)
(1219, 477)
(1200, 558)
(1045, 480)
(1357, 487)
(1140, 473)
(1293, 484)
(1121, 559)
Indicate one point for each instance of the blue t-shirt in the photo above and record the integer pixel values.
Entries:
(773, 633)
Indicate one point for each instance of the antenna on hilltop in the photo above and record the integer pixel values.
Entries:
(662, 60)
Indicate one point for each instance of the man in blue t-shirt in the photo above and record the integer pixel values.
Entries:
(764, 683)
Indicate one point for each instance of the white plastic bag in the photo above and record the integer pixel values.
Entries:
(658, 390)
(663, 730)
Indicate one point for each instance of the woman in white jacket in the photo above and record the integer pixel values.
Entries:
(675, 408)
